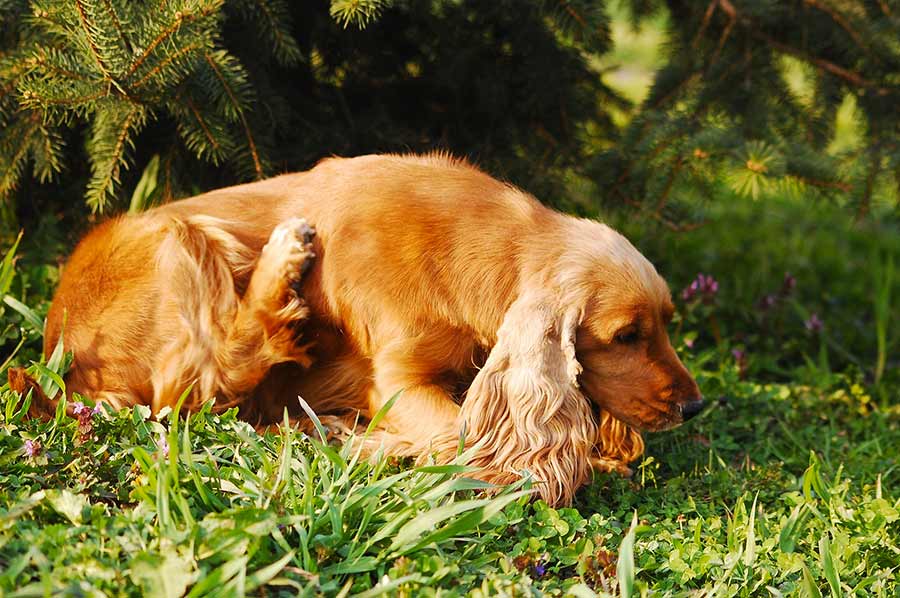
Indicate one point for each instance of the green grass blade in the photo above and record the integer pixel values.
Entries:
(809, 587)
(145, 190)
(7, 266)
(793, 527)
(36, 323)
(262, 576)
(625, 564)
(320, 429)
(51, 382)
(828, 567)
(750, 544)
(379, 415)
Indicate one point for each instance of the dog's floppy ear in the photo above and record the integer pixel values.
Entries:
(524, 407)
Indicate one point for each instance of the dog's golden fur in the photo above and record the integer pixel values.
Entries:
(539, 334)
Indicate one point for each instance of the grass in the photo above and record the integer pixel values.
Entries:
(787, 486)
(777, 490)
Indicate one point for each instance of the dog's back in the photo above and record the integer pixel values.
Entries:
(405, 245)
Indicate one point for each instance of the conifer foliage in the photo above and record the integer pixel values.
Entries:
(115, 65)
(212, 86)
(749, 95)
(229, 90)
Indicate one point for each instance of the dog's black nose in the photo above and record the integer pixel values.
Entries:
(689, 410)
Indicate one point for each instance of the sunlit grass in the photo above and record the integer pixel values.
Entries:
(787, 485)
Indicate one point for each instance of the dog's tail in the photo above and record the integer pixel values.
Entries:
(200, 259)
(42, 407)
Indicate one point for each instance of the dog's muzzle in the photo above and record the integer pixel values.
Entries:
(690, 410)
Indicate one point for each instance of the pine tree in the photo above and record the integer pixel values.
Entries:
(230, 90)
(212, 86)
(750, 95)
(117, 65)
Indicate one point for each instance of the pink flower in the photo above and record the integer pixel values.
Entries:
(163, 444)
(704, 287)
(32, 448)
(85, 416)
(768, 302)
(740, 358)
(788, 285)
(814, 324)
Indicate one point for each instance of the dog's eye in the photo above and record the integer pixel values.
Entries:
(627, 337)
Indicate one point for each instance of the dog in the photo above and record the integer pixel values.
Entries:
(539, 336)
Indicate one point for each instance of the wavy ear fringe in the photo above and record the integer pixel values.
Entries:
(617, 445)
(524, 411)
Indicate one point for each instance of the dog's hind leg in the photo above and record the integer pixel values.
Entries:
(226, 343)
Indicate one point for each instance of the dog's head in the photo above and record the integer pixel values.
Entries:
(628, 365)
(591, 322)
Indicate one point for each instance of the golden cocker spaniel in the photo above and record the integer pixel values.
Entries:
(540, 335)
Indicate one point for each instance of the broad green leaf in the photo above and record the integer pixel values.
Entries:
(162, 575)
(67, 504)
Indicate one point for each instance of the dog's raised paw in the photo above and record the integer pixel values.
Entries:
(287, 256)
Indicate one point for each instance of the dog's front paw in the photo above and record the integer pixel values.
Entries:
(607, 465)
(284, 260)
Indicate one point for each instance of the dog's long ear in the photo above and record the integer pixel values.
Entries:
(617, 445)
(524, 407)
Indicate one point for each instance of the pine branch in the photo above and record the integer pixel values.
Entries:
(842, 22)
(754, 30)
(90, 37)
(163, 66)
(15, 145)
(181, 19)
(357, 12)
(836, 185)
(236, 106)
(205, 133)
(584, 20)
(847, 75)
(46, 153)
(273, 20)
(112, 131)
(117, 25)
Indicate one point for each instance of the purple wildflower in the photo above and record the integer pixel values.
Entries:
(788, 285)
(814, 324)
(704, 287)
(163, 444)
(32, 448)
(767, 302)
(85, 416)
(738, 354)
(539, 569)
